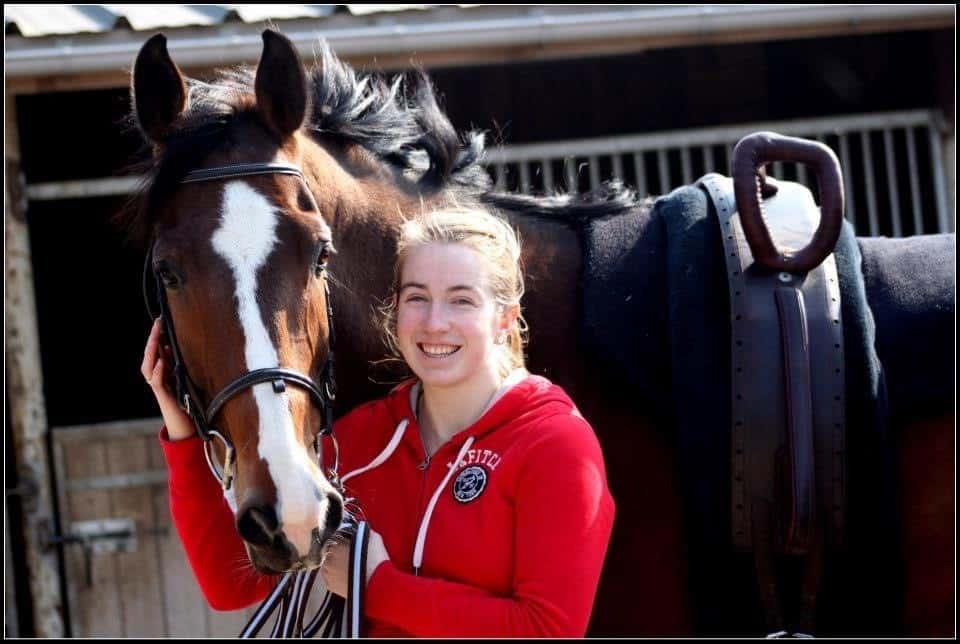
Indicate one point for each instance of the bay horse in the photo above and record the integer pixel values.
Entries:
(373, 153)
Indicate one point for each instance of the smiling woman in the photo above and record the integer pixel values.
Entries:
(487, 282)
(479, 454)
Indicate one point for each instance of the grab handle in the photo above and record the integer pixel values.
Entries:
(749, 180)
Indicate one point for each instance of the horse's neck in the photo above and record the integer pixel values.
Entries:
(552, 260)
(365, 233)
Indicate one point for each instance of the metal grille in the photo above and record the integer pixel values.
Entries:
(893, 165)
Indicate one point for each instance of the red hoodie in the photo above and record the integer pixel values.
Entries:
(513, 545)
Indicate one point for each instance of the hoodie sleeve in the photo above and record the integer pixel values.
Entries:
(207, 530)
(564, 517)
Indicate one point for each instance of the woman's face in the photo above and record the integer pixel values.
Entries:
(447, 319)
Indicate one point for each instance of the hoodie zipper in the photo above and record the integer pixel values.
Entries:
(424, 469)
(427, 515)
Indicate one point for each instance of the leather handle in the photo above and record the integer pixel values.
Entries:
(749, 156)
(798, 484)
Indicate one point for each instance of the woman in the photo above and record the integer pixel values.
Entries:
(511, 540)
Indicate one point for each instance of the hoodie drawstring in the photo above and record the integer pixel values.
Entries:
(425, 523)
(384, 455)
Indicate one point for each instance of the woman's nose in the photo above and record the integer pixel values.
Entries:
(437, 319)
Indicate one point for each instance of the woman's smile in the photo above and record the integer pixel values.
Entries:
(438, 351)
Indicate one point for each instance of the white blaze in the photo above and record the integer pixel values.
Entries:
(245, 238)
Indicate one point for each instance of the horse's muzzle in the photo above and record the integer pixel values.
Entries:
(270, 549)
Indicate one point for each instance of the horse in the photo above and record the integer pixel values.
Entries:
(372, 153)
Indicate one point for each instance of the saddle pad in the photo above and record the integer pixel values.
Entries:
(656, 312)
(921, 376)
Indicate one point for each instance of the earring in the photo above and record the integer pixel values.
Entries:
(502, 337)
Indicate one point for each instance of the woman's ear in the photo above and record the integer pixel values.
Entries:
(508, 318)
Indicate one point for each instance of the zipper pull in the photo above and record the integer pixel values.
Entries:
(423, 466)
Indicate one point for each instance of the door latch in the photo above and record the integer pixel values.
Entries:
(101, 536)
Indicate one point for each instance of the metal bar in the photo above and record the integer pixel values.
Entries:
(686, 165)
(640, 170)
(892, 183)
(524, 178)
(594, 169)
(707, 159)
(546, 166)
(939, 187)
(663, 171)
(617, 167)
(705, 136)
(914, 183)
(501, 170)
(570, 168)
(802, 174)
(867, 151)
(778, 170)
(851, 213)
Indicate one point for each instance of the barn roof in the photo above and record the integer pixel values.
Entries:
(32, 21)
(65, 40)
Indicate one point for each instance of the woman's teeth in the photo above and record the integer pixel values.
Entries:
(438, 350)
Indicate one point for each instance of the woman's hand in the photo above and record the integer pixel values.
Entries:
(335, 568)
(156, 371)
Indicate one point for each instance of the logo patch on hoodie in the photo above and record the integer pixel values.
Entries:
(469, 484)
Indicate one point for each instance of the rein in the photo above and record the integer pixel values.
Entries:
(336, 617)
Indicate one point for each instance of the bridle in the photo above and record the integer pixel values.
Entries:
(323, 394)
(336, 617)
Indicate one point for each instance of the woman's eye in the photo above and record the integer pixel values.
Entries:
(463, 302)
(415, 298)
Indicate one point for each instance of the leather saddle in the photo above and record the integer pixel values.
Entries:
(787, 366)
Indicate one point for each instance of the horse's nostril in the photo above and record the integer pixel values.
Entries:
(258, 525)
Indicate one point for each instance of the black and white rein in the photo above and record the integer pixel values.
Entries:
(336, 617)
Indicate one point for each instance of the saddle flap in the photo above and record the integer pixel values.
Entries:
(785, 361)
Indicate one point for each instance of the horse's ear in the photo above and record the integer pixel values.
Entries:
(159, 91)
(281, 85)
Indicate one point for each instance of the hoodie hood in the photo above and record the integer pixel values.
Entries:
(520, 395)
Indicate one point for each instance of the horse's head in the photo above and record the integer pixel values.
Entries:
(238, 256)
(240, 260)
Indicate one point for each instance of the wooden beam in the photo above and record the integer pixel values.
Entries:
(11, 627)
(25, 392)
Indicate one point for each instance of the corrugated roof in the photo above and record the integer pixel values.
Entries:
(33, 21)
(72, 40)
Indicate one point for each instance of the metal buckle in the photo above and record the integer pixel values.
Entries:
(223, 473)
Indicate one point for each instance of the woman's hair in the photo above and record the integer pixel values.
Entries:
(494, 240)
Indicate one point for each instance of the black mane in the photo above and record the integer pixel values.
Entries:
(400, 122)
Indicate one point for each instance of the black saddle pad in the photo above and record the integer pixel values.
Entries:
(655, 309)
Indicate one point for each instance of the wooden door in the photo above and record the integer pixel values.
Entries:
(111, 476)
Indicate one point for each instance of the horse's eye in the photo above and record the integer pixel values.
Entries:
(167, 276)
(323, 257)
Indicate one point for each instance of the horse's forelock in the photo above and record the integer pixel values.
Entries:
(363, 109)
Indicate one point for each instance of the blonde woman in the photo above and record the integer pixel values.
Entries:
(488, 503)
